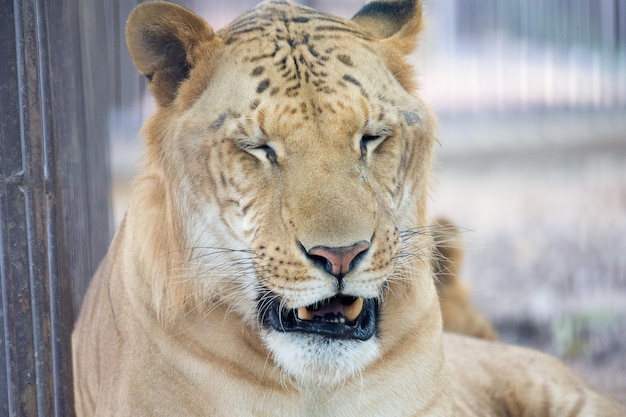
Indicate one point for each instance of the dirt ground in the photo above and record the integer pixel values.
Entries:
(545, 234)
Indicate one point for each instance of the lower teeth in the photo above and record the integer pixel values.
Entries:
(341, 320)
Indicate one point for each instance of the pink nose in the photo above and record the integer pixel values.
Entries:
(338, 261)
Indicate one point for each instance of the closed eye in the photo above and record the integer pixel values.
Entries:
(370, 142)
(262, 152)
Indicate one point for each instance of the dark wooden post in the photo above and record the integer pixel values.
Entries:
(54, 198)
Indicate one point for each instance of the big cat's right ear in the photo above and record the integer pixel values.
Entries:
(166, 42)
(398, 21)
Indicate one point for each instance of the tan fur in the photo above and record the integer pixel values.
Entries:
(254, 157)
(459, 313)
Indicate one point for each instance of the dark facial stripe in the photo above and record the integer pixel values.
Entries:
(263, 85)
(352, 80)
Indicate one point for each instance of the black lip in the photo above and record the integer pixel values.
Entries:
(286, 320)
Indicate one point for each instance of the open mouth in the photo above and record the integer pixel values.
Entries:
(340, 317)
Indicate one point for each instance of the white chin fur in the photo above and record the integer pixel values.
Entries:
(317, 362)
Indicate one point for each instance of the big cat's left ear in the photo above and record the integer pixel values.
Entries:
(399, 21)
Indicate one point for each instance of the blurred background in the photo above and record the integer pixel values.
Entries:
(531, 96)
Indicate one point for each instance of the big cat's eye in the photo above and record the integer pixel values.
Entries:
(370, 142)
(270, 153)
(262, 152)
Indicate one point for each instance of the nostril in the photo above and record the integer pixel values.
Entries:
(321, 262)
(357, 258)
(338, 261)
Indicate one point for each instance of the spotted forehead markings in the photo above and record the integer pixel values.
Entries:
(295, 55)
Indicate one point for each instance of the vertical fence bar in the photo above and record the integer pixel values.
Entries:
(53, 196)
